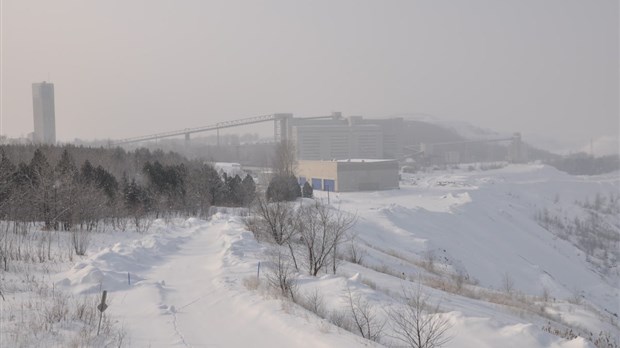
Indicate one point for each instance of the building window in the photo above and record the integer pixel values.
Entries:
(329, 185)
(317, 184)
(302, 181)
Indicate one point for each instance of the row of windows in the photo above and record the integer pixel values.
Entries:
(336, 143)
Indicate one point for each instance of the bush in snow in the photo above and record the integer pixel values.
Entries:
(283, 188)
(80, 241)
(364, 318)
(281, 274)
(314, 302)
(415, 323)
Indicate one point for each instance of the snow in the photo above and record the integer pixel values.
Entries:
(188, 276)
(190, 293)
(490, 213)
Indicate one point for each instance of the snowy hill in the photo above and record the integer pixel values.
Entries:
(484, 223)
(474, 241)
(462, 128)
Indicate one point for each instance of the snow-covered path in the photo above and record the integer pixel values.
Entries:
(192, 298)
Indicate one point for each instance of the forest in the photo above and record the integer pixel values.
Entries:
(68, 187)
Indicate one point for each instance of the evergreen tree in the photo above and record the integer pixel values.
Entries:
(23, 176)
(307, 190)
(105, 181)
(167, 182)
(7, 174)
(66, 165)
(87, 173)
(283, 188)
(249, 190)
(217, 189)
(65, 191)
(293, 188)
(235, 191)
(42, 182)
(136, 198)
(39, 167)
(198, 197)
(226, 194)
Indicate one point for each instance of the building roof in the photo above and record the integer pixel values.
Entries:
(354, 160)
(361, 160)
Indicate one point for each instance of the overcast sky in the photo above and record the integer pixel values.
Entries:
(125, 68)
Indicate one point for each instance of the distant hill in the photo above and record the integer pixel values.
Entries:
(422, 128)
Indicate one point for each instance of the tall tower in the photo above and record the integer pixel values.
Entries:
(43, 112)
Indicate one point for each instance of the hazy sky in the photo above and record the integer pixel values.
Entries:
(125, 68)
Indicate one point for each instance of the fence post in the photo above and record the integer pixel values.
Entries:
(258, 271)
(101, 307)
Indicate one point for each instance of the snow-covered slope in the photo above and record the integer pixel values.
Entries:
(187, 291)
(188, 281)
(483, 223)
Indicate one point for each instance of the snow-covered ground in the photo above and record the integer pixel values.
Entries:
(189, 278)
(483, 223)
(187, 290)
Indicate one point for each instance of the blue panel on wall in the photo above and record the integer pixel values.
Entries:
(302, 181)
(317, 184)
(329, 185)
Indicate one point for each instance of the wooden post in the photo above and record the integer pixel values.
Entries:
(258, 271)
(101, 307)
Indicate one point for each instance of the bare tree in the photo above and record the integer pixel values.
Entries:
(90, 206)
(355, 253)
(314, 302)
(415, 328)
(274, 221)
(508, 283)
(364, 317)
(281, 274)
(340, 222)
(321, 230)
(284, 161)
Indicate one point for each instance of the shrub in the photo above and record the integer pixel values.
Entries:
(307, 190)
(283, 188)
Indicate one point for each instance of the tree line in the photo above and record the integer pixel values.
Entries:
(64, 193)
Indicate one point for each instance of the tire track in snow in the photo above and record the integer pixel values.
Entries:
(175, 325)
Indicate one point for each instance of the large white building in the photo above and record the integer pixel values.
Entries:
(43, 113)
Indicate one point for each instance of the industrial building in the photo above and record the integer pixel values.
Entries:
(336, 137)
(349, 175)
(43, 113)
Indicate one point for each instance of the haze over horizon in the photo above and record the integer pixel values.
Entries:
(124, 69)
